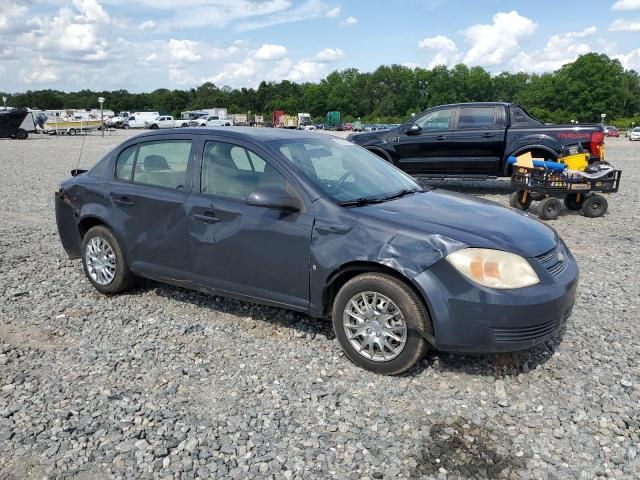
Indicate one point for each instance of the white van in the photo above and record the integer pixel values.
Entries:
(138, 119)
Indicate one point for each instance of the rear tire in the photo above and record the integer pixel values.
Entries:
(515, 200)
(22, 134)
(71, 131)
(595, 206)
(104, 263)
(572, 203)
(379, 322)
(549, 208)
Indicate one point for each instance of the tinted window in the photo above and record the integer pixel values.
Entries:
(163, 163)
(479, 117)
(438, 120)
(232, 171)
(124, 165)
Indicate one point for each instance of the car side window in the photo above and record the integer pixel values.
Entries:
(234, 172)
(477, 117)
(438, 120)
(124, 164)
(163, 163)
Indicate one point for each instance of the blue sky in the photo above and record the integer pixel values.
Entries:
(146, 44)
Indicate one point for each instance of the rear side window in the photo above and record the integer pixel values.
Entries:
(478, 117)
(124, 164)
(163, 163)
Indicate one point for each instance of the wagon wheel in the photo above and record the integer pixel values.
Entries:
(574, 201)
(595, 206)
(520, 199)
(549, 208)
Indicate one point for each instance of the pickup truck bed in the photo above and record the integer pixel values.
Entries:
(475, 140)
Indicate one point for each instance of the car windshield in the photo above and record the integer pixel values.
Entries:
(346, 172)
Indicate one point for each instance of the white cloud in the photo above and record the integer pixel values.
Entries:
(559, 50)
(10, 13)
(445, 50)
(622, 25)
(334, 12)
(147, 26)
(349, 21)
(630, 60)
(626, 5)
(498, 42)
(329, 55)
(91, 11)
(307, 10)
(269, 51)
(184, 50)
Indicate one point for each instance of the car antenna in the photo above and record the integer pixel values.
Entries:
(76, 170)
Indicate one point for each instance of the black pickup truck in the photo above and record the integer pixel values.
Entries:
(475, 140)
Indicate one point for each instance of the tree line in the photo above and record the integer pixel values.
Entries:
(579, 91)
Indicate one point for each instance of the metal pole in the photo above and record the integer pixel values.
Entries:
(102, 118)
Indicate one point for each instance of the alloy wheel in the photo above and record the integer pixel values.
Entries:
(100, 260)
(375, 326)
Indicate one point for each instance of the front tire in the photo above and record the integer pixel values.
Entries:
(380, 323)
(22, 134)
(104, 263)
(549, 208)
(516, 199)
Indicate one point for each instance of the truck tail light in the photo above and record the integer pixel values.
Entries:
(597, 143)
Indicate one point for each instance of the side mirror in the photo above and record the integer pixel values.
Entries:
(273, 197)
(414, 129)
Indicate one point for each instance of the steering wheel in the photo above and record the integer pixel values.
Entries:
(341, 180)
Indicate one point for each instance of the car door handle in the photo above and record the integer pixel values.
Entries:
(123, 202)
(441, 137)
(206, 217)
(488, 135)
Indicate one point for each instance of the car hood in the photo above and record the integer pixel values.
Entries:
(469, 220)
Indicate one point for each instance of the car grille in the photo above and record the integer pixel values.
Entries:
(555, 260)
(523, 334)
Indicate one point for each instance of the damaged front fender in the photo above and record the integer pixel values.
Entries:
(349, 239)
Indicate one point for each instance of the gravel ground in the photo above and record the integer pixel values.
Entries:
(168, 383)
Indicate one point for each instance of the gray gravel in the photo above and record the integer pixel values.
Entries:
(169, 383)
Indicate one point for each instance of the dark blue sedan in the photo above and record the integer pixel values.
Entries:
(314, 223)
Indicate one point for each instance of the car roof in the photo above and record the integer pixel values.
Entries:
(239, 133)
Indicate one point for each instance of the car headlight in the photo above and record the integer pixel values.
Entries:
(494, 268)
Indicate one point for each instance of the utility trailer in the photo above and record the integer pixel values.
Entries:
(11, 124)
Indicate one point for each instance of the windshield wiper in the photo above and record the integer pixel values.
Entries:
(401, 193)
(360, 201)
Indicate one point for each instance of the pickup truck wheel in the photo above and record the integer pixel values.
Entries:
(594, 206)
(379, 322)
(154, 126)
(520, 199)
(104, 263)
(549, 208)
(125, 126)
(574, 201)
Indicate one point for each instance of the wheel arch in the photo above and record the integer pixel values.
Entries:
(534, 149)
(380, 152)
(91, 220)
(347, 271)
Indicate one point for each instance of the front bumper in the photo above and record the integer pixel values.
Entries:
(467, 317)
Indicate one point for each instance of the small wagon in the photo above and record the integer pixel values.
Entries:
(550, 186)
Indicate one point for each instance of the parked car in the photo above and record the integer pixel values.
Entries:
(315, 224)
(612, 132)
(214, 121)
(475, 139)
(634, 134)
(166, 121)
